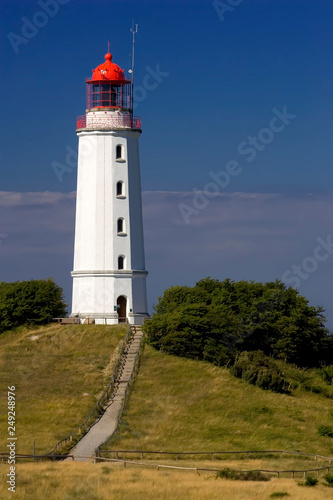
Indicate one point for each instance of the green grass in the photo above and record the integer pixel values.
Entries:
(59, 373)
(184, 405)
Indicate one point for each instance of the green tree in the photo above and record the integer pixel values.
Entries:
(36, 301)
(217, 320)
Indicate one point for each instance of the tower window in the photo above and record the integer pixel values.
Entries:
(120, 188)
(121, 262)
(120, 225)
(119, 152)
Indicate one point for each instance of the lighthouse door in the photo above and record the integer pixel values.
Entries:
(121, 309)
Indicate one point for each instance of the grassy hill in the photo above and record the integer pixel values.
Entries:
(175, 404)
(59, 372)
(184, 405)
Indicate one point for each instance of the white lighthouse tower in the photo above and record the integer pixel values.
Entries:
(109, 276)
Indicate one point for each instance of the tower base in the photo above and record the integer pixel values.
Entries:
(110, 319)
(110, 297)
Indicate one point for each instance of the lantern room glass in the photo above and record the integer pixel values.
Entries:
(108, 95)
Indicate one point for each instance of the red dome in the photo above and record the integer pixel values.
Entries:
(109, 71)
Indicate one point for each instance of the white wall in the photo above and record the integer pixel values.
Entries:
(97, 281)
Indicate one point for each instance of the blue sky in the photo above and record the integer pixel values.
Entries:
(220, 81)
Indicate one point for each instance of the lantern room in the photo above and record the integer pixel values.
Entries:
(108, 87)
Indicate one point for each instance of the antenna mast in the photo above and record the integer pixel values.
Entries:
(134, 30)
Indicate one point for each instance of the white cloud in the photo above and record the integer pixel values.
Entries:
(12, 199)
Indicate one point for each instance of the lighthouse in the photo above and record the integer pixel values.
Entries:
(109, 275)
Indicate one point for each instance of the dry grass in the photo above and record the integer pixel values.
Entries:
(52, 369)
(77, 481)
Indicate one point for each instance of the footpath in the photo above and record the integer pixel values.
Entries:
(107, 424)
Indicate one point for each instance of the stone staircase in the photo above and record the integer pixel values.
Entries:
(107, 424)
(126, 374)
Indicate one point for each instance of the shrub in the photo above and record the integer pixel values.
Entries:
(252, 475)
(106, 470)
(329, 479)
(310, 481)
(327, 374)
(257, 369)
(325, 430)
(263, 409)
(303, 379)
(227, 474)
(279, 494)
(317, 389)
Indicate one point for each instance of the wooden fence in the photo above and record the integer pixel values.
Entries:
(271, 472)
(216, 455)
(212, 454)
(37, 458)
